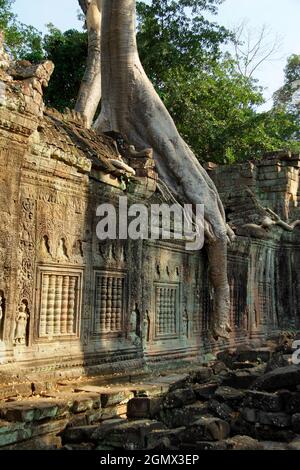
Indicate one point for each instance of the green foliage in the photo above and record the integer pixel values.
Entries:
(68, 51)
(22, 41)
(213, 106)
(284, 96)
(174, 34)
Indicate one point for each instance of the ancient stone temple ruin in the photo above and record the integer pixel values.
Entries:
(69, 300)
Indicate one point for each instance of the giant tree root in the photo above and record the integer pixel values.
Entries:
(131, 106)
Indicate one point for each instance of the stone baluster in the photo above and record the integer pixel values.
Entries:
(119, 304)
(98, 305)
(103, 304)
(58, 305)
(50, 306)
(71, 305)
(109, 305)
(64, 305)
(44, 306)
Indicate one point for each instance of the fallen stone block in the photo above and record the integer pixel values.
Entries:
(241, 443)
(202, 375)
(205, 391)
(206, 429)
(10, 433)
(242, 379)
(262, 401)
(28, 411)
(50, 427)
(48, 442)
(231, 396)
(86, 402)
(221, 410)
(249, 414)
(115, 398)
(163, 439)
(143, 407)
(115, 411)
(178, 417)
(254, 355)
(282, 378)
(77, 435)
(100, 430)
(131, 435)
(185, 382)
(179, 398)
(279, 420)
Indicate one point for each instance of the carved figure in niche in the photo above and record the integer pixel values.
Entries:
(62, 253)
(21, 324)
(78, 250)
(185, 323)
(146, 328)
(45, 247)
(134, 327)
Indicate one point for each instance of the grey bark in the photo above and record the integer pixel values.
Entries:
(90, 90)
(131, 106)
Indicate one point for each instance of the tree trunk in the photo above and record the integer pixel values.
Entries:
(90, 91)
(131, 106)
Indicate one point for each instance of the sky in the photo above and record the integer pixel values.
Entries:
(281, 16)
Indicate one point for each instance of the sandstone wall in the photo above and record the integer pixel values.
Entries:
(116, 305)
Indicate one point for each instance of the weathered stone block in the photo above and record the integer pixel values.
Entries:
(221, 410)
(232, 396)
(144, 407)
(163, 439)
(241, 443)
(131, 435)
(241, 378)
(177, 417)
(86, 402)
(254, 355)
(179, 398)
(205, 391)
(115, 398)
(78, 434)
(202, 375)
(48, 442)
(279, 420)
(262, 401)
(114, 411)
(28, 411)
(249, 414)
(282, 378)
(205, 429)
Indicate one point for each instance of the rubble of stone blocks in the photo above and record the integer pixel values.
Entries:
(241, 400)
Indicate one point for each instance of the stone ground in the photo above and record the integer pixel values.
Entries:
(242, 400)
